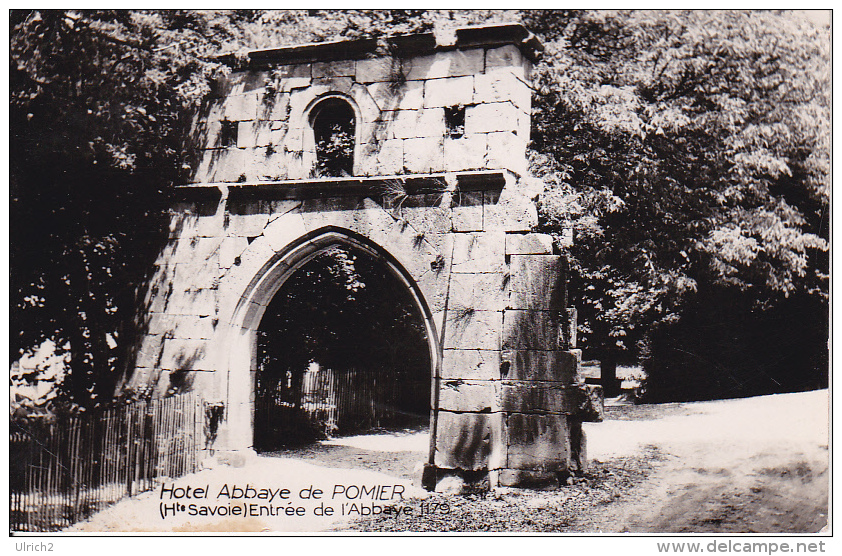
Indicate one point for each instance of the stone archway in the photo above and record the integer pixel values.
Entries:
(268, 281)
(440, 192)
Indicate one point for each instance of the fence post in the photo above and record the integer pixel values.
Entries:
(129, 455)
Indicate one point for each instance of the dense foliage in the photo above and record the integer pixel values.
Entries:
(99, 114)
(689, 151)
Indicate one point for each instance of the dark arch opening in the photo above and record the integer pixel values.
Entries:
(342, 348)
(333, 123)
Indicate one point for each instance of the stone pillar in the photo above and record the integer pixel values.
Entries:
(510, 400)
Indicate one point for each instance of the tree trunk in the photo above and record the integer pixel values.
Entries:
(608, 373)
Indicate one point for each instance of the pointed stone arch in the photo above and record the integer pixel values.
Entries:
(240, 359)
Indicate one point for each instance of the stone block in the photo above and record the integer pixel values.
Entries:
(278, 134)
(423, 155)
(292, 70)
(513, 214)
(299, 164)
(425, 217)
(182, 354)
(151, 347)
(142, 379)
(226, 85)
(209, 126)
(591, 406)
(398, 96)
(289, 84)
(465, 153)
(183, 222)
(190, 327)
(369, 110)
(473, 330)
(524, 126)
(199, 275)
(522, 478)
(539, 398)
(408, 124)
(433, 286)
(482, 291)
(539, 442)
(536, 282)
(497, 457)
(342, 68)
(479, 252)
(502, 87)
(257, 81)
(470, 364)
(450, 91)
(247, 225)
(441, 243)
(529, 244)
(294, 138)
(300, 100)
(223, 165)
(383, 158)
(508, 56)
(257, 254)
(201, 172)
(539, 365)
(254, 134)
(467, 210)
(325, 85)
(280, 207)
(264, 164)
(240, 107)
(231, 249)
(467, 396)
(438, 317)
(195, 250)
(273, 106)
(531, 329)
(284, 230)
(372, 70)
(463, 440)
(201, 302)
(506, 151)
(491, 117)
(467, 219)
(352, 213)
(454, 63)
(212, 224)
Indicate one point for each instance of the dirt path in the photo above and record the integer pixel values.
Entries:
(753, 465)
(339, 471)
(758, 465)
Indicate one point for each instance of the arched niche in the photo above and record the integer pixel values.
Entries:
(332, 137)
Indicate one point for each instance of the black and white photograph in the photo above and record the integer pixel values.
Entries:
(358, 272)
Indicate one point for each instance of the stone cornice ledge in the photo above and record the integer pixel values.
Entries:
(354, 186)
(477, 36)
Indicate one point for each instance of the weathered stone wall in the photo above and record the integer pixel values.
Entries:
(452, 217)
(400, 105)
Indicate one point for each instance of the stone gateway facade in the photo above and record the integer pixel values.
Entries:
(411, 149)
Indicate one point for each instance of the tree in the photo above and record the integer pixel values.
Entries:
(690, 151)
(100, 108)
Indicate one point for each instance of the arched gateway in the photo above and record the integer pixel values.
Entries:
(413, 153)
